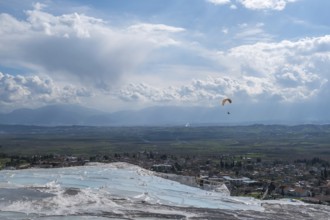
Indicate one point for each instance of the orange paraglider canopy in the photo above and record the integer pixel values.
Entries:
(226, 100)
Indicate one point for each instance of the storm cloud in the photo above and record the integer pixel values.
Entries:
(77, 47)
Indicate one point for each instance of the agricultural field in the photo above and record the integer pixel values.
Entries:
(263, 141)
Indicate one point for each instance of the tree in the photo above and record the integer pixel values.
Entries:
(325, 173)
(238, 164)
(221, 164)
(163, 157)
(177, 166)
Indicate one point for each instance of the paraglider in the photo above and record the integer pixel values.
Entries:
(224, 101)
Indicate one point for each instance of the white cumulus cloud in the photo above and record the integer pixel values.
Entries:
(286, 71)
(266, 4)
(277, 5)
(219, 2)
(34, 90)
(294, 70)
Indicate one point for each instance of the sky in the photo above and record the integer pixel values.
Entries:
(115, 55)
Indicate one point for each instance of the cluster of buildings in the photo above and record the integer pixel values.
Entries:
(306, 180)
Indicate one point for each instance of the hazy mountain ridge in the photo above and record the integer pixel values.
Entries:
(76, 115)
(57, 115)
(49, 115)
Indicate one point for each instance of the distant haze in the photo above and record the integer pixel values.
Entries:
(56, 115)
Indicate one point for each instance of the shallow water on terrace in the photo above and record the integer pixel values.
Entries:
(96, 188)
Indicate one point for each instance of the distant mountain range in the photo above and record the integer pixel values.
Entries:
(56, 115)
(49, 115)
